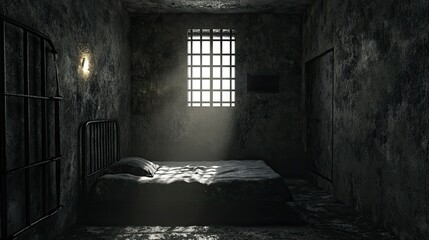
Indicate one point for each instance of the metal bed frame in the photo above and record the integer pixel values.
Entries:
(46, 47)
(99, 149)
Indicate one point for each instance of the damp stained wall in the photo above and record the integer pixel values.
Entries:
(261, 126)
(99, 31)
(381, 106)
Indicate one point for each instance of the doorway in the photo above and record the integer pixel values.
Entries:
(319, 75)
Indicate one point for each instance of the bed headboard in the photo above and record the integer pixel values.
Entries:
(99, 149)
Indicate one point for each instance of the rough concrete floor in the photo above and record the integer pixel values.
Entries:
(326, 218)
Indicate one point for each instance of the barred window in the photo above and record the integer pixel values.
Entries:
(211, 68)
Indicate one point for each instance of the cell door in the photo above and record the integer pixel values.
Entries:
(319, 79)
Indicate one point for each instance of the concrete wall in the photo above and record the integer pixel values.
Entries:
(99, 31)
(261, 126)
(381, 106)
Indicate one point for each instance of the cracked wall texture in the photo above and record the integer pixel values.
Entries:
(261, 126)
(381, 106)
(98, 30)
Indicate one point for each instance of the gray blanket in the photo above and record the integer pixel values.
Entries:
(210, 181)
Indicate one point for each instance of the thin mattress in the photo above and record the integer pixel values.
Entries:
(205, 181)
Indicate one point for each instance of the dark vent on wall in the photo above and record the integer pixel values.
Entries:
(263, 83)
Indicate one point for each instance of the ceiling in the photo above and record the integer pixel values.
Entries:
(136, 7)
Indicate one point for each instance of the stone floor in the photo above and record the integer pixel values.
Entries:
(326, 219)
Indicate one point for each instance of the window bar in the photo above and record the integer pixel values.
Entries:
(188, 63)
(201, 68)
(27, 130)
(230, 67)
(211, 67)
(191, 68)
(44, 127)
(221, 67)
(234, 66)
(3, 160)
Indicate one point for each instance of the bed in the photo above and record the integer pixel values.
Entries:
(180, 193)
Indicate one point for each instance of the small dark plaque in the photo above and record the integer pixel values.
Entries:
(263, 83)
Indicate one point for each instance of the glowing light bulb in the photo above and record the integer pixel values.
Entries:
(85, 65)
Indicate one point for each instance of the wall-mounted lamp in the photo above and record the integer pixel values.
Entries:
(85, 64)
(84, 67)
